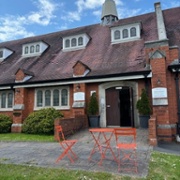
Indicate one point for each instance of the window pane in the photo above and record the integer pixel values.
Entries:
(1, 54)
(64, 97)
(56, 97)
(26, 50)
(47, 98)
(3, 100)
(10, 100)
(39, 99)
(117, 34)
(80, 41)
(32, 49)
(67, 43)
(73, 42)
(125, 33)
(37, 48)
(133, 31)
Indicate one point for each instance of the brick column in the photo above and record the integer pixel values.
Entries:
(18, 109)
(158, 61)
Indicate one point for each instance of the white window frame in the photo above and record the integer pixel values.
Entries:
(6, 108)
(78, 46)
(5, 53)
(122, 39)
(42, 47)
(51, 89)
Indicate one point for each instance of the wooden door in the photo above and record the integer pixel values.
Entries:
(119, 107)
(112, 107)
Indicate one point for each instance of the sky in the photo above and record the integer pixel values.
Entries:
(25, 18)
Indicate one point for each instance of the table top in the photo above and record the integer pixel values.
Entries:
(101, 130)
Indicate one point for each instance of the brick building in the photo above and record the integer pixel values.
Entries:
(115, 59)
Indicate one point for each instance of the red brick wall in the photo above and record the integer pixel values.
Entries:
(71, 125)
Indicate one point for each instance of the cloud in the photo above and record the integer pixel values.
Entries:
(13, 27)
(45, 14)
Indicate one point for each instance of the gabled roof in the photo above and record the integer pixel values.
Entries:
(100, 55)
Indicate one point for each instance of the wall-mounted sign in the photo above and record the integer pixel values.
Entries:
(159, 92)
(79, 96)
(159, 96)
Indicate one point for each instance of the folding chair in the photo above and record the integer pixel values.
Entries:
(66, 146)
(126, 146)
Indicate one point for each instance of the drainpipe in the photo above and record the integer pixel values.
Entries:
(178, 102)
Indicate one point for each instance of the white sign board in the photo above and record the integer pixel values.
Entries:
(79, 96)
(159, 92)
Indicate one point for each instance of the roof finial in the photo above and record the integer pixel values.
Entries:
(109, 12)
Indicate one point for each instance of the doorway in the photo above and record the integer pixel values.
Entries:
(119, 107)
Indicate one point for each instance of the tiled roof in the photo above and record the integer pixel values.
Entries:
(100, 55)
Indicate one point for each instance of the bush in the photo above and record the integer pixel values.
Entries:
(41, 122)
(5, 123)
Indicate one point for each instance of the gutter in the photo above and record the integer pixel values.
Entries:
(87, 79)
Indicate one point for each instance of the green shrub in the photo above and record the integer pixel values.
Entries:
(5, 123)
(41, 122)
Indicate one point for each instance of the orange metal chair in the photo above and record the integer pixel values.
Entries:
(126, 146)
(66, 146)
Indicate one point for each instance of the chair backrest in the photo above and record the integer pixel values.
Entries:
(125, 135)
(60, 133)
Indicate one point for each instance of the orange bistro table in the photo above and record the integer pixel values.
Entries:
(102, 138)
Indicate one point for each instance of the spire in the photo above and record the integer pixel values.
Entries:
(109, 12)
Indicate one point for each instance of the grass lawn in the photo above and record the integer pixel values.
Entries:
(161, 167)
(25, 137)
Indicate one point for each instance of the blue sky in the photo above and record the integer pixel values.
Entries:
(24, 18)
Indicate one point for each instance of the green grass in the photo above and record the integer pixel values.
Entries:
(164, 166)
(25, 137)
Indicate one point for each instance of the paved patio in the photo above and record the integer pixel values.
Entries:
(45, 154)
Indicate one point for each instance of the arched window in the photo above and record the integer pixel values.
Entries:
(3, 100)
(56, 97)
(73, 42)
(37, 48)
(133, 32)
(80, 41)
(125, 33)
(10, 100)
(64, 97)
(32, 49)
(39, 99)
(26, 50)
(47, 98)
(117, 34)
(67, 43)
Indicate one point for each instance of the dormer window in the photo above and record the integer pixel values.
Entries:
(125, 33)
(76, 42)
(117, 34)
(80, 41)
(34, 49)
(67, 43)
(73, 42)
(37, 48)
(133, 32)
(4, 53)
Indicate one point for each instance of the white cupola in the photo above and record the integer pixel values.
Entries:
(109, 12)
